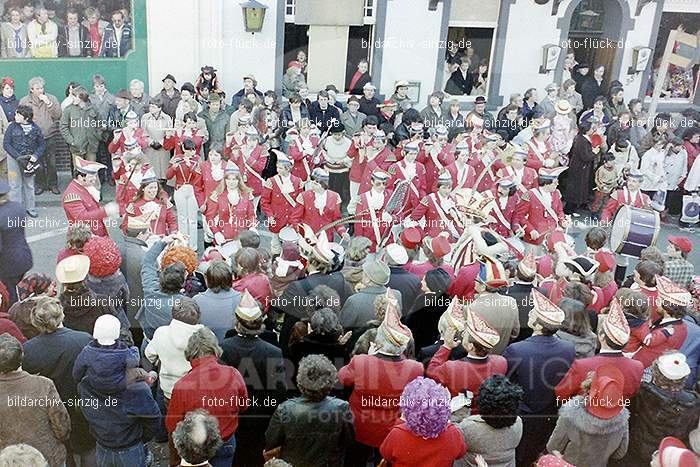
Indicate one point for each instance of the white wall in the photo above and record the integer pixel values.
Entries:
(184, 35)
(640, 35)
(530, 27)
(411, 45)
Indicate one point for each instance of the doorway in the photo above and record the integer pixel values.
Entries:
(359, 48)
(296, 38)
(594, 33)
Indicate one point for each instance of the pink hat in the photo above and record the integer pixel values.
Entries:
(673, 453)
(615, 324)
(550, 460)
(605, 398)
(481, 330)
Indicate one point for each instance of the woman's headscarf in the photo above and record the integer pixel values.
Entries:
(35, 284)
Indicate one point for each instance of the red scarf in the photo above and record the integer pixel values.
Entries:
(355, 78)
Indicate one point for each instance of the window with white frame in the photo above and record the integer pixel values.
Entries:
(289, 10)
(475, 45)
(368, 9)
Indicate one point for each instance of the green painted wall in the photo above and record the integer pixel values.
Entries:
(59, 71)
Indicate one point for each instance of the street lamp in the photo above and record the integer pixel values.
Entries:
(253, 15)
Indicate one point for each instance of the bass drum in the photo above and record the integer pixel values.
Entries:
(634, 229)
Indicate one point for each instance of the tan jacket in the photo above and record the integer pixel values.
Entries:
(45, 116)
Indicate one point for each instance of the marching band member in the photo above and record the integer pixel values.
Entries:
(436, 153)
(130, 137)
(523, 176)
(435, 249)
(670, 331)
(412, 171)
(190, 130)
(254, 160)
(186, 171)
(302, 149)
(462, 173)
(629, 195)
(212, 171)
(81, 200)
(358, 154)
(374, 223)
(278, 198)
(229, 208)
(128, 170)
(540, 209)
(236, 139)
(504, 193)
(319, 206)
(539, 149)
(487, 161)
(439, 211)
(377, 157)
(151, 205)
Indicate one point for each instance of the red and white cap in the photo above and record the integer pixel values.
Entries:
(545, 309)
(87, 167)
(248, 308)
(673, 366)
(615, 324)
(439, 246)
(395, 331)
(481, 330)
(670, 292)
(674, 453)
(454, 315)
(552, 172)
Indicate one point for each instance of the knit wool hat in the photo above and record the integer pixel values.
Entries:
(104, 255)
(437, 280)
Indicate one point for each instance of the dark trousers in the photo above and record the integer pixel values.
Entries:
(46, 176)
(674, 201)
(104, 157)
(536, 432)
(358, 454)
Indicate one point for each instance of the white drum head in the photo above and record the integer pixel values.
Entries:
(620, 227)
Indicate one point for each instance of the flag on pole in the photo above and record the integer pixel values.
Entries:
(685, 50)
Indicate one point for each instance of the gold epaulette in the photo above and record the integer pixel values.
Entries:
(130, 209)
(71, 197)
(214, 196)
(424, 201)
(525, 196)
(392, 170)
(267, 184)
(300, 198)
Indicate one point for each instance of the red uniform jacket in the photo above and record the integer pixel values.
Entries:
(528, 178)
(118, 145)
(621, 197)
(537, 154)
(307, 213)
(504, 216)
(227, 218)
(187, 174)
(176, 140)
(208, 182)
(436, 218)
(277, 205)
(663, 336)
(403, 448)
(164, 224)
(488, 181)
(435, 165)
(639, 328)
(570, 385)
(380, 161)
(127, 186)
(206, 383)
(80, 206)
(417, 189)
(254, 164)
(366, 225)
(468, 176)
(234, 145)
(303, 161)
(377, 383)
(466, 374)
(652, 294)
(533, 215)
(357, 168)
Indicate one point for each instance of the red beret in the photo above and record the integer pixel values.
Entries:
(411, 237)
(606, 260)
(683, 243)
(440, 246)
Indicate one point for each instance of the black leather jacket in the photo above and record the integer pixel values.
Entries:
(312, 434)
